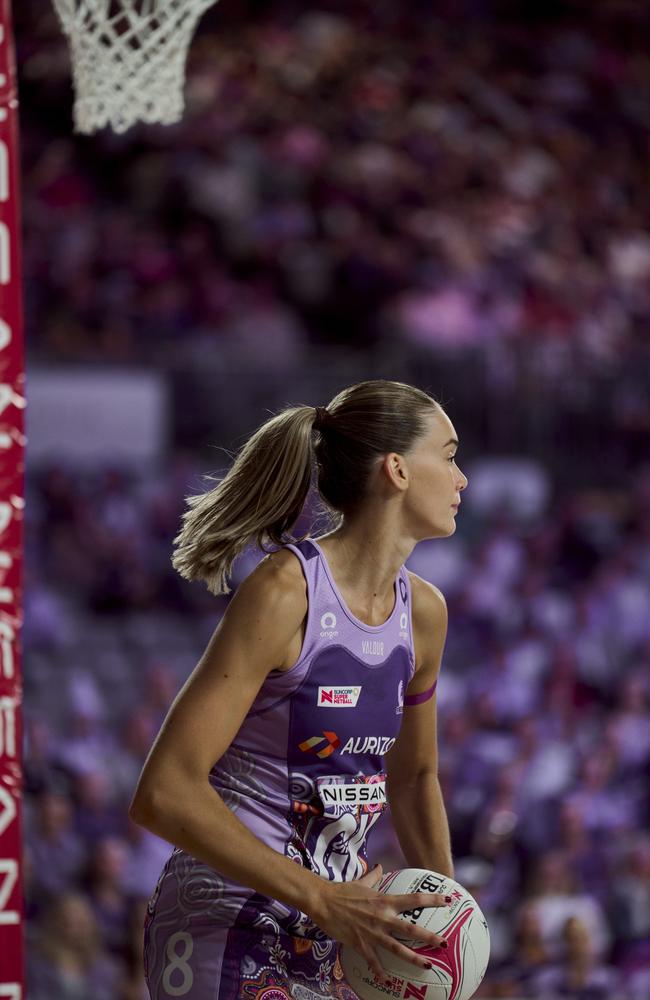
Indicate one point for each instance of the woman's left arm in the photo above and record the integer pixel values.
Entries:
(414, 795)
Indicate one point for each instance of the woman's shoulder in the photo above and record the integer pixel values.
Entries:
(428, 601)
(277, 580)
(429, 617)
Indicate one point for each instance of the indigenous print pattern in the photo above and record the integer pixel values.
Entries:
(335, 827)
(306, 774)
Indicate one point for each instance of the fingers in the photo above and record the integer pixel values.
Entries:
(395, 948)
(419, 900)
(372, 877)
(406, 953)
(403, 929)
(375, 965)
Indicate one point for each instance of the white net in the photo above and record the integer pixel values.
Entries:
(128, 59)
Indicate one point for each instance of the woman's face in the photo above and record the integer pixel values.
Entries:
(72, 922)
(435, 481)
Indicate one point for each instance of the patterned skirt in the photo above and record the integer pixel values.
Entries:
(229, 949)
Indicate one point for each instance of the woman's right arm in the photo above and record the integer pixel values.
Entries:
(173, 797)
(175, 800)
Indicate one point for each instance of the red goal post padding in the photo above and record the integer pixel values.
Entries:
(12, 442)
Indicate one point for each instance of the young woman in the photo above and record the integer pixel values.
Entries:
(312, 708)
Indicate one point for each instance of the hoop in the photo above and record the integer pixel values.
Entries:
(128, 59)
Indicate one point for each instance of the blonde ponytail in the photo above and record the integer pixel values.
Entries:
(263, 494)
(259, 499)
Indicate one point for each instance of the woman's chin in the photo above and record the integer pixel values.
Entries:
(451, 527)
(440, 531)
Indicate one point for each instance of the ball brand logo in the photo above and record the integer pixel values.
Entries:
(328, 625)
(431, 884)
(372, 647)
(329, 739)
(338, 697)
(394, 985)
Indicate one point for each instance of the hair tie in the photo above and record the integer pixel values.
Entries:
(322, 417)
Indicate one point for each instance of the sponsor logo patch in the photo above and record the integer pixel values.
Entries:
(328, 625)
(336, 794)
(372, 647)
(322, 746)
(368, 744)
(338, 696)
(328, 742)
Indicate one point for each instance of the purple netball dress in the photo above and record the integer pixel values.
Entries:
(305, 773)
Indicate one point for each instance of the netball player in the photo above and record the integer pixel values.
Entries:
(312, 708)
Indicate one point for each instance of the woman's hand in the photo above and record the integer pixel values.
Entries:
(354, 913)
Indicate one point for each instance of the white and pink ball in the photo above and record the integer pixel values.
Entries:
(456, 971)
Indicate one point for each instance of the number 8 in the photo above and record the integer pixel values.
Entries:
(178, 962)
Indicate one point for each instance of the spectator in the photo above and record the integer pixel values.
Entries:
(106, 890)
(604, 805)
(529, 953)
(556, 897)
(57, 851)
(630, 902)
(98, 814)
(66, 958)
(132, 985)
(459, 194)
(577, 975)
(146, 858)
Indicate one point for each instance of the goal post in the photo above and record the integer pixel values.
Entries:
(12, 494)
(128, 65)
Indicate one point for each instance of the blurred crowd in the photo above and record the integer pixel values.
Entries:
(544, 732)
(367, 177)
(364, 174)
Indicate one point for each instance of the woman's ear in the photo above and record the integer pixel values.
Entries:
(396, 470)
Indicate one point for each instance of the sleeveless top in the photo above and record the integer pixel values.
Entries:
(305, 771)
